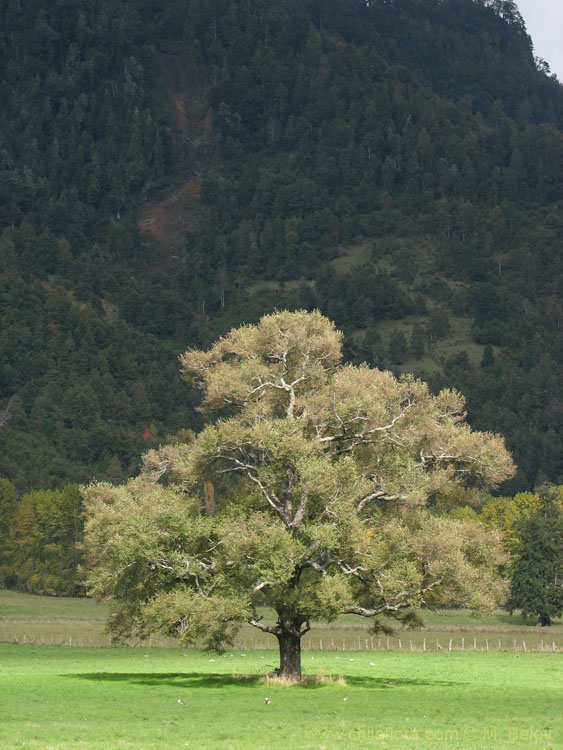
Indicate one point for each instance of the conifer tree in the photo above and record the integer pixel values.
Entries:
(537, 581)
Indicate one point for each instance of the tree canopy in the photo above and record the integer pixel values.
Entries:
(323, 476)
(537, 577)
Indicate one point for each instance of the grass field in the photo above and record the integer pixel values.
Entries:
(40, 620)
(128, 698)
(59, 697)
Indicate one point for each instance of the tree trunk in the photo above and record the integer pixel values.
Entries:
(290, 655)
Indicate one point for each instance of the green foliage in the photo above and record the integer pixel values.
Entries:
(81, 382)
(398, 347)
(417, 341)
(507, 514)
(323, 472)
(537, 578)
(41, 553)
(77, 121)
(8, 509)
(425, 129)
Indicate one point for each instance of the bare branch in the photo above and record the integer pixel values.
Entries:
(378, 495)
(367, 499)
(387, 607)
(273, 629)
(358, 438)
(300, 514)
(248, 469)
(262, 586)
(316, 566)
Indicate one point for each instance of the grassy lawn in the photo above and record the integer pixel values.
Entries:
(51, 619)
(128, 698)
(43, 620)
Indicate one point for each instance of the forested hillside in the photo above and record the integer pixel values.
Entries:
(170, 170)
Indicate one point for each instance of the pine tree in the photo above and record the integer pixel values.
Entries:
(537, 581)
(417, 341)
(398, 347)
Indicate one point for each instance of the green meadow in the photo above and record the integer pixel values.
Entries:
(57, 697)
(62, 687)
(42, 620)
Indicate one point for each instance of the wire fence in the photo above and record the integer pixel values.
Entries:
(374, 643)
(355, 643)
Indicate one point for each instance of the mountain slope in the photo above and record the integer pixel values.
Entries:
(170, 171)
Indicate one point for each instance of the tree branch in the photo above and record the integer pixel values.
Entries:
(273, 629)
(247, 469)
(262, 586)
(364, 612)
(378, 494)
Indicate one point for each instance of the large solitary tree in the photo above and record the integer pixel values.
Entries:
(323, 474)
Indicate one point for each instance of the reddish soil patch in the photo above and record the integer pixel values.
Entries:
(168, 221)
(186, 102)
(163, 224)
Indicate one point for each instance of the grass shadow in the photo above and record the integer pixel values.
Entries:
(218, 680)
(387, 683)
(175, 679)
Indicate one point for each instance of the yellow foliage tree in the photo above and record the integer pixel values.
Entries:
(322, 473)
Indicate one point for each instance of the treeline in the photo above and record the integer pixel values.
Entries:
(88, 394)
(41, 534)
